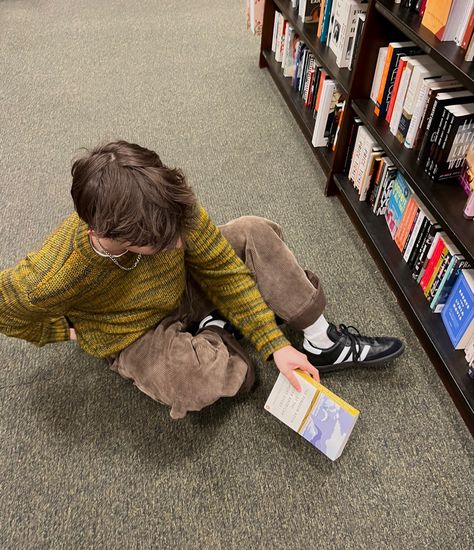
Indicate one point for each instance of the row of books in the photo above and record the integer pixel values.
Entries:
(339, 25)
(427, 110)
(434, 261)
(448, 20)
(319, 92)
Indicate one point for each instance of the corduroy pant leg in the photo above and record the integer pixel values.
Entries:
(292, 293)
(183, 371)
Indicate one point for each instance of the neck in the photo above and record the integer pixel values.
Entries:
(111, 248)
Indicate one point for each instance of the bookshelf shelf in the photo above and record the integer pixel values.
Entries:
(376, 234)
(307, 33)
(302, 115)
(445, 202)
(447, 54)
(386, 22)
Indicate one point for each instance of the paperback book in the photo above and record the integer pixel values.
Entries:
(318, 415)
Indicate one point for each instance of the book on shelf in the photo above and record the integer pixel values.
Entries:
(424, 68)
(357, 39)
(428, 89)
(441, 100)
(406, 222)
(351, 144)
(433, 91)
(345, 14)
(447, 155)
(308, 10)
(325, 20)
(317, 414)
(436, 16)
(421, 254)
(382, 186)
(456, 264)
(458, 312)
(394, 52)
(401, 192)
(435, 257)
(328, 97)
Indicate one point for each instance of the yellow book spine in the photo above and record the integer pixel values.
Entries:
(322, 389)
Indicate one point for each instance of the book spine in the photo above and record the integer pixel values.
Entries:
(444, 262)
(437, 140)
(422, 259)
(414, 235)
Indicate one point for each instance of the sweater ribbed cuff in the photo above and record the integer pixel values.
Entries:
(273, 345)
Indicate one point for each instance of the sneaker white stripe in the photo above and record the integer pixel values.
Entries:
(343, 355)
(364, 353)
(308, 346)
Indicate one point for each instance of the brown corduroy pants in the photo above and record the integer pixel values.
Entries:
(188, 372)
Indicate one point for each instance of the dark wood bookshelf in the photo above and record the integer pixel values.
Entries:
(444, 201)
(307, 33)
(447, 54)
(376, 234)
(303, 115)
(386, 22)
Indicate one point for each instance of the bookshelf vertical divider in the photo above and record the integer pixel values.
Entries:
(385, 22)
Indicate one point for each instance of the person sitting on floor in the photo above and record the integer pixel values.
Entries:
(141, 276)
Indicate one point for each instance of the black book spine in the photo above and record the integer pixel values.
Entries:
(425, 226)
(436, 144)
(350, 147)
(430, 133)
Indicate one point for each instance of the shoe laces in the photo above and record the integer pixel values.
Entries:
(354, 339)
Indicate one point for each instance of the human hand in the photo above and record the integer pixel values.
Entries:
(72, 334)
(288, 359)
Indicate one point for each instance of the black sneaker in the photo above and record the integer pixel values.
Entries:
(351, 349)
(217, 316)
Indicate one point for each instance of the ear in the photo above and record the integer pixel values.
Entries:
(91, 232)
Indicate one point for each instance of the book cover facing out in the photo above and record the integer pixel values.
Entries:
(321, 417)
(458, 312)
(397, 204)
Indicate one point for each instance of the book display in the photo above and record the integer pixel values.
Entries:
(384, 94)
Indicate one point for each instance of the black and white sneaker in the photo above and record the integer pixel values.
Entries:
(352, 349)
(215, 319)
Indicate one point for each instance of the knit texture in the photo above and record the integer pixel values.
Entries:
(111, 308)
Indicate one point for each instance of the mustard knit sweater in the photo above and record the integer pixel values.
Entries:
(110, 308)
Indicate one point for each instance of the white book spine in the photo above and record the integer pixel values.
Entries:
(301, 9)
(355, 153)
(378, 73)
(398, 107)
(275, 30)
(414, 235)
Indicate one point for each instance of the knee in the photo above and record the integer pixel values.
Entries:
(251, 228)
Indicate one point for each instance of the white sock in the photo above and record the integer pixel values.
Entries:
(317, 334)
(209, 321)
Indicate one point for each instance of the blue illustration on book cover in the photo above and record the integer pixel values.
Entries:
(397, 204)
(458, 312)
(328, 426)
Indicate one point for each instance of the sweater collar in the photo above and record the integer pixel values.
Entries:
(84, 247)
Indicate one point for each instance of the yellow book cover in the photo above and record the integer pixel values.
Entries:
(317, 414)
(436, 15)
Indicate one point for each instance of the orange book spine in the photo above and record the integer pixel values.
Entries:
(468, 33)
(396, 85)
(409, 222)
(320, 87)
(320, 24)
(403, 224)
(383, 80)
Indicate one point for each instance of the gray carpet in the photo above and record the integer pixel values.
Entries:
(87, 461)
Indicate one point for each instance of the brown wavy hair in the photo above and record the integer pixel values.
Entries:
(124, 192)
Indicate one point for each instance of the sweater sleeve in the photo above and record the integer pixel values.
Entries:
(20, 318)
(226, 280)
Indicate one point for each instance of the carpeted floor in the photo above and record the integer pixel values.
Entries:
(86, 460)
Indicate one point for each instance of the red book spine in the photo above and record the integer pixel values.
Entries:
(432, 263)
